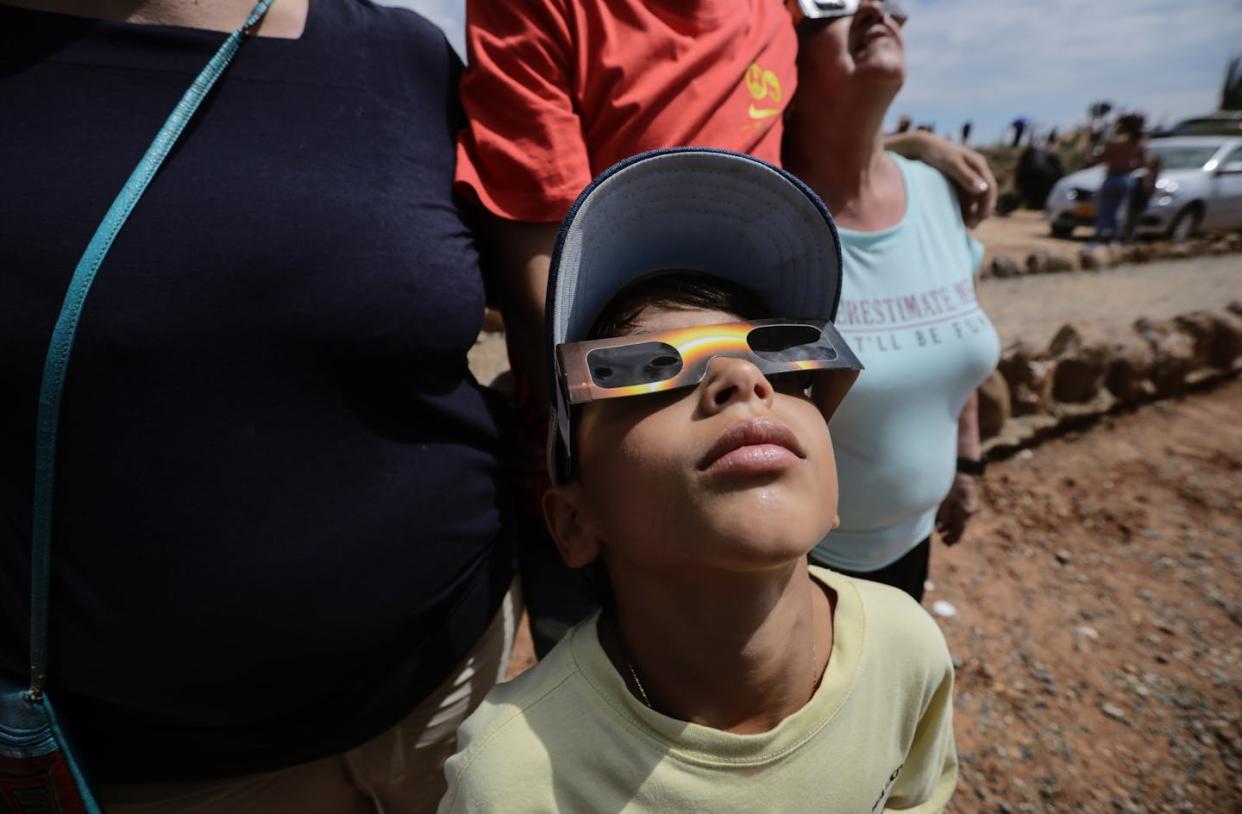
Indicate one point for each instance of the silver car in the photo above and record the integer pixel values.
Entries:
(1199, 187)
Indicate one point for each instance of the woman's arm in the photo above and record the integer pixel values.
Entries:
(963, 499)
(967, 169)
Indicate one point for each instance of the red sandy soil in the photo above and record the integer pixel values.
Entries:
(1099, 607)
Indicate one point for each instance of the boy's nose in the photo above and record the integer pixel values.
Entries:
(731, 380)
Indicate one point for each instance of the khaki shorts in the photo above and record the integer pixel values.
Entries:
(399, 772)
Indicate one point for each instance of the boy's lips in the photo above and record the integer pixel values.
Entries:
(753, 446)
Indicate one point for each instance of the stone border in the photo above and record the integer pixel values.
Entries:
(1088, 371)
(1102, 257)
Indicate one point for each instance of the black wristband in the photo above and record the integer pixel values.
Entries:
(972, 466)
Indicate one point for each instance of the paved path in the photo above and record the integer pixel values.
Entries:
(1033, 308)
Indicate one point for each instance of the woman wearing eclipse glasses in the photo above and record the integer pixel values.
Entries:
(907, 439)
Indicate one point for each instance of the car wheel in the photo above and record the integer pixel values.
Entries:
(1063, 230)
(1186, 223)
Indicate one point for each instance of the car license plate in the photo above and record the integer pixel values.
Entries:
(1085, 211)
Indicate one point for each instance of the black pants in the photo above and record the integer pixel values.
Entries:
(908, 573)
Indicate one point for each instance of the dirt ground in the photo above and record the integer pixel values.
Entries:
(1097, 613)
(1034, 307)
(1022, 232)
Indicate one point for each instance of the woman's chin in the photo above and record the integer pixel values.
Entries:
(881, 66)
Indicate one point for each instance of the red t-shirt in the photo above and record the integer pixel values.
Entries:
(558, 90)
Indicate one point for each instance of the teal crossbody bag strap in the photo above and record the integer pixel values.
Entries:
(56, 364)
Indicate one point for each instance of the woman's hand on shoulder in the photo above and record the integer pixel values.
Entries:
(967, 169)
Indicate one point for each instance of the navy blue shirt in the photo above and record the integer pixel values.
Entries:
(278, 519)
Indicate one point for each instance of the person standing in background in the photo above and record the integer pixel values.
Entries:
(1142, 188)
(1121, 155)
(558, 90)
(1019, 130)
(907, 435)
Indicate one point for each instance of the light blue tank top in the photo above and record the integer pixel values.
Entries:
(908, 309)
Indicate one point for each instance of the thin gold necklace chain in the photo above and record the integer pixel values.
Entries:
(642, 691)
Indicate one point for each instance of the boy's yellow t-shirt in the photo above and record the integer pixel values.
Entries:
(568, 736)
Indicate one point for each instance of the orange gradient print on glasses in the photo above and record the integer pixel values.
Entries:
(639, 364)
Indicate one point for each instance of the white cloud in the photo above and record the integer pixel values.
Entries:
(994, 61)
(450, 15)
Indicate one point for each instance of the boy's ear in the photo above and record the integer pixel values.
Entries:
(575, 536)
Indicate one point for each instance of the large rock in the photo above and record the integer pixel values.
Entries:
(1081, 359)
(1227, 348)
(1129, 367)
(1005, 266)
(1136, 253)
(994, 408)
(1028, 377)
(1091, 356)
(1174, 354)
(1201, 327)
(1159, 248)
(1044, 262)
(1098, 257)
(1217, 337)
(1078, 379)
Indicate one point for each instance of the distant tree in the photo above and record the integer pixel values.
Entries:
(1231, 93)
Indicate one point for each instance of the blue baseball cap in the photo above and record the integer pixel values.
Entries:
(689, 208)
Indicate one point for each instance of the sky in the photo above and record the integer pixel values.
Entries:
(990, 61)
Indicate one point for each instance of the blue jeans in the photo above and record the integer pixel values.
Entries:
(909, 573)
(1112, 195)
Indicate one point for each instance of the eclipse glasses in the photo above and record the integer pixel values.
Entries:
(639, 364)
(832, 9)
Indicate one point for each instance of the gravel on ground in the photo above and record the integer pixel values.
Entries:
(1098, 625)
(1023, 232)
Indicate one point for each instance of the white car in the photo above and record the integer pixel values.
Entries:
(1199, 187)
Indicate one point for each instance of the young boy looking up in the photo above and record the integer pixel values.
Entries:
(725, 675)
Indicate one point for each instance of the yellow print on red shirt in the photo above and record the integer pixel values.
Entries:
(764, 86)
